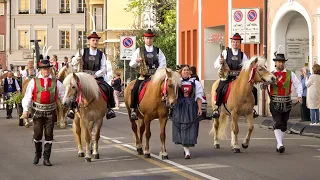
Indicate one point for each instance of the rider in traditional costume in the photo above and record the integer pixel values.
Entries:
(234, 57)
(43, 91)
(10, 85)
(154, 59)
(94, 63)
(26, 73)
(187, 112)
(280, 94)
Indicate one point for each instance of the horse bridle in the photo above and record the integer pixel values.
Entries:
(164, 91)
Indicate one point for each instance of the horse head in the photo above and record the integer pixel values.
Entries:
(170, 90)
(71, 84)
(259, 72)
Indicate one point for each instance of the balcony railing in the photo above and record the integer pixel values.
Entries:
(64, 10)
(23, 11)
(41, 11)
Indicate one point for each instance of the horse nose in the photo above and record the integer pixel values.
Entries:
(273, 78)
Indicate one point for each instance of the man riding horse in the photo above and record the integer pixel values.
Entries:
(153, 58)
(94, 63)
(234, 58)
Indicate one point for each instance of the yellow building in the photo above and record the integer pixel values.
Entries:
(112, 21)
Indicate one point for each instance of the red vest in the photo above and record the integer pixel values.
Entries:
(186, 90)
(42, 95)
(283, 87)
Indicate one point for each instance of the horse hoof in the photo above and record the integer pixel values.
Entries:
(87, 159)
(217, 146)
(96, 156)
(245, 146)
(147, 155)
(140, 151)
(236, 150)
(81, 154)
(164, 157)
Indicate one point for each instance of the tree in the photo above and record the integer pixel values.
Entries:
(165, 13)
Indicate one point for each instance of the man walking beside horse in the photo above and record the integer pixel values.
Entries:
(42, 92)
(234, 58)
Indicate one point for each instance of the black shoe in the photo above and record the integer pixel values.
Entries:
(46, 154)
(216, 114)
(38, 146)
(255, 114)
(110, 114)
(281, 149)
(133, 115)
(70, 114)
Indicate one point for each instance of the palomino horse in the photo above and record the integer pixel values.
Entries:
(240, 102)
(164, 83)
(83, 88)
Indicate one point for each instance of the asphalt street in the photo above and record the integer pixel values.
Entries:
(119, 160)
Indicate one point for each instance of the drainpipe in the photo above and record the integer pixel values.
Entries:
(265, 50)
(200, 39)
(10, 27)
(177, 33)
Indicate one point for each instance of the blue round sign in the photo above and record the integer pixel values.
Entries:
(127, 42)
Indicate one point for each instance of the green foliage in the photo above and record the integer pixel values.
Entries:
(15, 98)
(165, 39)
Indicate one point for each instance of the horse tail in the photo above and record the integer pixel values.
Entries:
(221, 134)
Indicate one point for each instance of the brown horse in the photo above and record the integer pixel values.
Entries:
(83, 88)
(162, 87)
(240, 102)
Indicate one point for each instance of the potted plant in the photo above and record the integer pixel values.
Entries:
(16, 98)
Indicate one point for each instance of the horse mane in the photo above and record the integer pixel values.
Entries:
(61, 71)
(247, 64)
(90, 88)
(161, 74)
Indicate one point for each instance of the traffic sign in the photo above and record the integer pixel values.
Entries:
(237, 16)
(127, 47)
(252, 15)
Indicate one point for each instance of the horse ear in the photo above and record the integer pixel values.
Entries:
(168, 73)
(255, 61)
(75, 76)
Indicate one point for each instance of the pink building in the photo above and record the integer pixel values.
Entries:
(2, 33)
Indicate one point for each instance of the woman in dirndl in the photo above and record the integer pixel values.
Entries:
(187, 112)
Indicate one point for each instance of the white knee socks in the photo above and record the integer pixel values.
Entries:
(279, 136)
(186, 150)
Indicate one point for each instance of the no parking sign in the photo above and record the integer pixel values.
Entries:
(127, 47)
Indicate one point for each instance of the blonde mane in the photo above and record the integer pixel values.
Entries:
(161, 74)
(90, 88)
(247, 64)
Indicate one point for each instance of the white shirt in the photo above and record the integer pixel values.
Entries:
(224, 53)
(295, 81)
(103, 67)
(198, 87)
(162, 59)
(24, 73)
(10, 81)
(27, 99)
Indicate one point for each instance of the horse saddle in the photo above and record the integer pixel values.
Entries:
(142, 89)
(225, 92)
(103, 90)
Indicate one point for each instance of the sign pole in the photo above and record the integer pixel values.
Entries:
(124, 73)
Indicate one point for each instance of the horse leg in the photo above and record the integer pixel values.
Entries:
(163, 154)
(142, 128)
(88, 137)
(245, 143)
(77, 134)
(134, 128)
(216, 123)
(234, 133)
(95, 153)
(91, 125)
(148, 135)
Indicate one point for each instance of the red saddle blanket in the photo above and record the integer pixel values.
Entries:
(102, 92)
(226, 95)
(143, 90)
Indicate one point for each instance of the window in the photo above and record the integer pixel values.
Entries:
(41, 6)
(98, 18)
(24, 41)
(41, 35)
(24, 7)
(64, 39)
(81, 6)
(64, 6)
(82, 35)
(1, 9)
(1, 42)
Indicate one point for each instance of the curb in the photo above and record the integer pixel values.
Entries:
(300, 128)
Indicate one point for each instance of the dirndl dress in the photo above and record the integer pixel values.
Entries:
(185, 124)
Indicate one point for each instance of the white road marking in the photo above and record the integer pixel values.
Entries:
(76, 149)
(316, 146)
(159, 170)
(173, 163)
(121, 112)
(116, 141)
(63, 135)
(115, 160)
(61, 142)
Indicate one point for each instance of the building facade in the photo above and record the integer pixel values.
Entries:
(56, 23)
(3, 34)
(205, 25)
